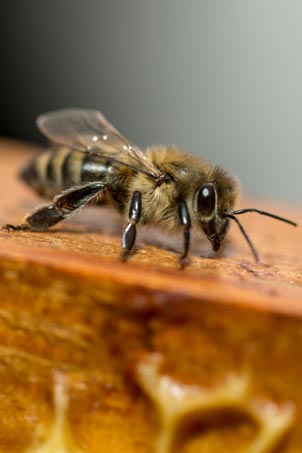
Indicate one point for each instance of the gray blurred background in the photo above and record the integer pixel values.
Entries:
(220, 78)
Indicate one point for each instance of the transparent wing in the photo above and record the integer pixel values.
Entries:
(90, 132)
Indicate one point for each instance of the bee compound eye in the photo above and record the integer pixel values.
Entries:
(206, 199)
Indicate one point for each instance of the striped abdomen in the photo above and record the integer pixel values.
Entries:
(61, 168)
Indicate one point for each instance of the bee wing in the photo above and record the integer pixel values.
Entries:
(90, 132)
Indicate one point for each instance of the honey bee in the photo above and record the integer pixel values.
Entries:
(163, 185)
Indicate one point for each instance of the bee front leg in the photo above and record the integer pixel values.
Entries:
(185, 221)
(63, 205)
(134, 216)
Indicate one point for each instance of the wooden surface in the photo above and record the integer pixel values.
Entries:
(92, 239)
(71, 308)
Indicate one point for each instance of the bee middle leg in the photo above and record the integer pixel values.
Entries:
(184, 217)
(62, 206)
(129, 234)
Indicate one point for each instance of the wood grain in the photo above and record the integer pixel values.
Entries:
(70, 307)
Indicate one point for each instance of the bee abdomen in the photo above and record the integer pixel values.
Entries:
(61, 168)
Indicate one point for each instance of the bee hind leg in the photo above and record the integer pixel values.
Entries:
(185, 221)
(8, 227)
(62, 206)
(129, 234)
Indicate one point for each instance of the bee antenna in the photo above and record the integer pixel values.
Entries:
(251, 245)
(268, 214)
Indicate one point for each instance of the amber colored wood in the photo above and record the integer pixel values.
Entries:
(69, 306)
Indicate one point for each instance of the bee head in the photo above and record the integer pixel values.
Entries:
(210, 217)
(213, 204)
